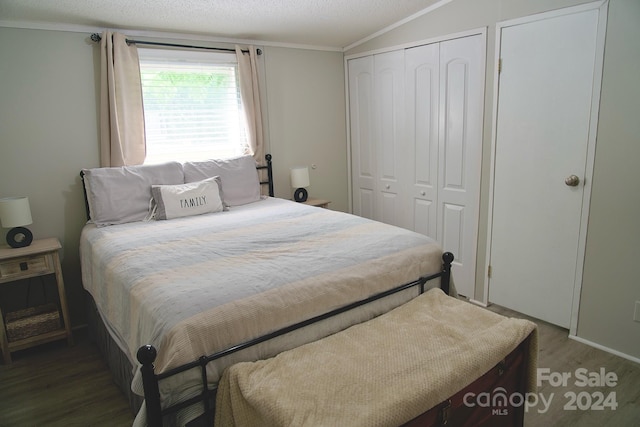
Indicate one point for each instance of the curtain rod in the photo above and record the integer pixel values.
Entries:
(95, 37)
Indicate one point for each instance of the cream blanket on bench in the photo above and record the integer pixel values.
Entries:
(383, 372)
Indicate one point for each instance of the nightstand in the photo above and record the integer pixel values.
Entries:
(39, 259)
(321, 203)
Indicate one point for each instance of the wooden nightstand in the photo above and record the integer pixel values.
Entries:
(39, 259)
(321, 203)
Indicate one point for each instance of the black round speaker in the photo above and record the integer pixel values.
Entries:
(19, 237)
(300, 195)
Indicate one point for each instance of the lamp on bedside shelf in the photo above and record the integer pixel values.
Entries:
(15, 213)
(300, 180)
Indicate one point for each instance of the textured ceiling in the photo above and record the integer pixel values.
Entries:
(323, 23)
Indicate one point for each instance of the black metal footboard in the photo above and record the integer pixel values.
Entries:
(147, 354)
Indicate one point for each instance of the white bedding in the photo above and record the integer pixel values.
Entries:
(193, 286)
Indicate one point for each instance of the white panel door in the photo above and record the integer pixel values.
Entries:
(363, 155)
(460, 154)
(422, 70)
(390, 144)
(543, 122)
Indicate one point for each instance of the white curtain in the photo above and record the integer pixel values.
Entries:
(122, 140)
(249, 90)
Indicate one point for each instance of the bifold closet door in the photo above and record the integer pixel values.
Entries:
(416, 142)
(378, 148)
(389, 138)
(445, 104)
(363, 153)
(422, 71)
(462, 63)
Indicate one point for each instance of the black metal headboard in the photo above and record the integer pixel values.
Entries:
(269, 168)
(263, 181)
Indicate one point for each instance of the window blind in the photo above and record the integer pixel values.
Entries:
(192, 105)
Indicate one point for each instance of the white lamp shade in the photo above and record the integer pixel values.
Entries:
(300, 177)
(15, 212)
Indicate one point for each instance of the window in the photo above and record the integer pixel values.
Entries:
(192, 105)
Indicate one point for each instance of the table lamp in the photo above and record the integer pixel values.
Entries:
(15, 213)
(300, 180)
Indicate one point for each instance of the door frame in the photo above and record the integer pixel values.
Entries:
(602, 6)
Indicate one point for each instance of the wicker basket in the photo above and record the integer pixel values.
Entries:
(32, 321)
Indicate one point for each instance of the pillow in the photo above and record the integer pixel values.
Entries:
(196, 198)
(240, 182)
(121, 194)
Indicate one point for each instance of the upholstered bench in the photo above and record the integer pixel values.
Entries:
(408, 363)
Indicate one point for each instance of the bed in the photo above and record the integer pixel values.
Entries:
(190, 270)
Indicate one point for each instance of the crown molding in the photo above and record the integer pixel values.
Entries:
(48, 26)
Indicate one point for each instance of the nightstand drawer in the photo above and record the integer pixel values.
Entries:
(26, 267)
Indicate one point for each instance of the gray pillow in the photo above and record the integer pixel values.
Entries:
(122, 194)
(239, 176)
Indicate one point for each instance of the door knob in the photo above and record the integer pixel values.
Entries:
(572, 180)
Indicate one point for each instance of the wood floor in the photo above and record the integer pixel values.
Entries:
(561, 356)
(56, 385)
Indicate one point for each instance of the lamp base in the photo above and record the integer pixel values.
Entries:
(19, 237)
(300, 195)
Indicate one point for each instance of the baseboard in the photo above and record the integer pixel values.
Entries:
(480, 303)
(607, 349)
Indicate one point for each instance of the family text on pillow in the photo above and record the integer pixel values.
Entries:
(194, 198)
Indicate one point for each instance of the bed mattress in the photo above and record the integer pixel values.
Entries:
(193, 286)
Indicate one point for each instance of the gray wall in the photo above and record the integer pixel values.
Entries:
(307, 120)
(610, 281)
(49, 131)
(611, 284)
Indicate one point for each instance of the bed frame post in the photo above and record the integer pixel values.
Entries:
(86, 200)
(445, 280)
(269, 174)
(146, 356)
(269, 167)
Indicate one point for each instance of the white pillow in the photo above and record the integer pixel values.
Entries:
(195, 198)
(240, 182)
(119, 195)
